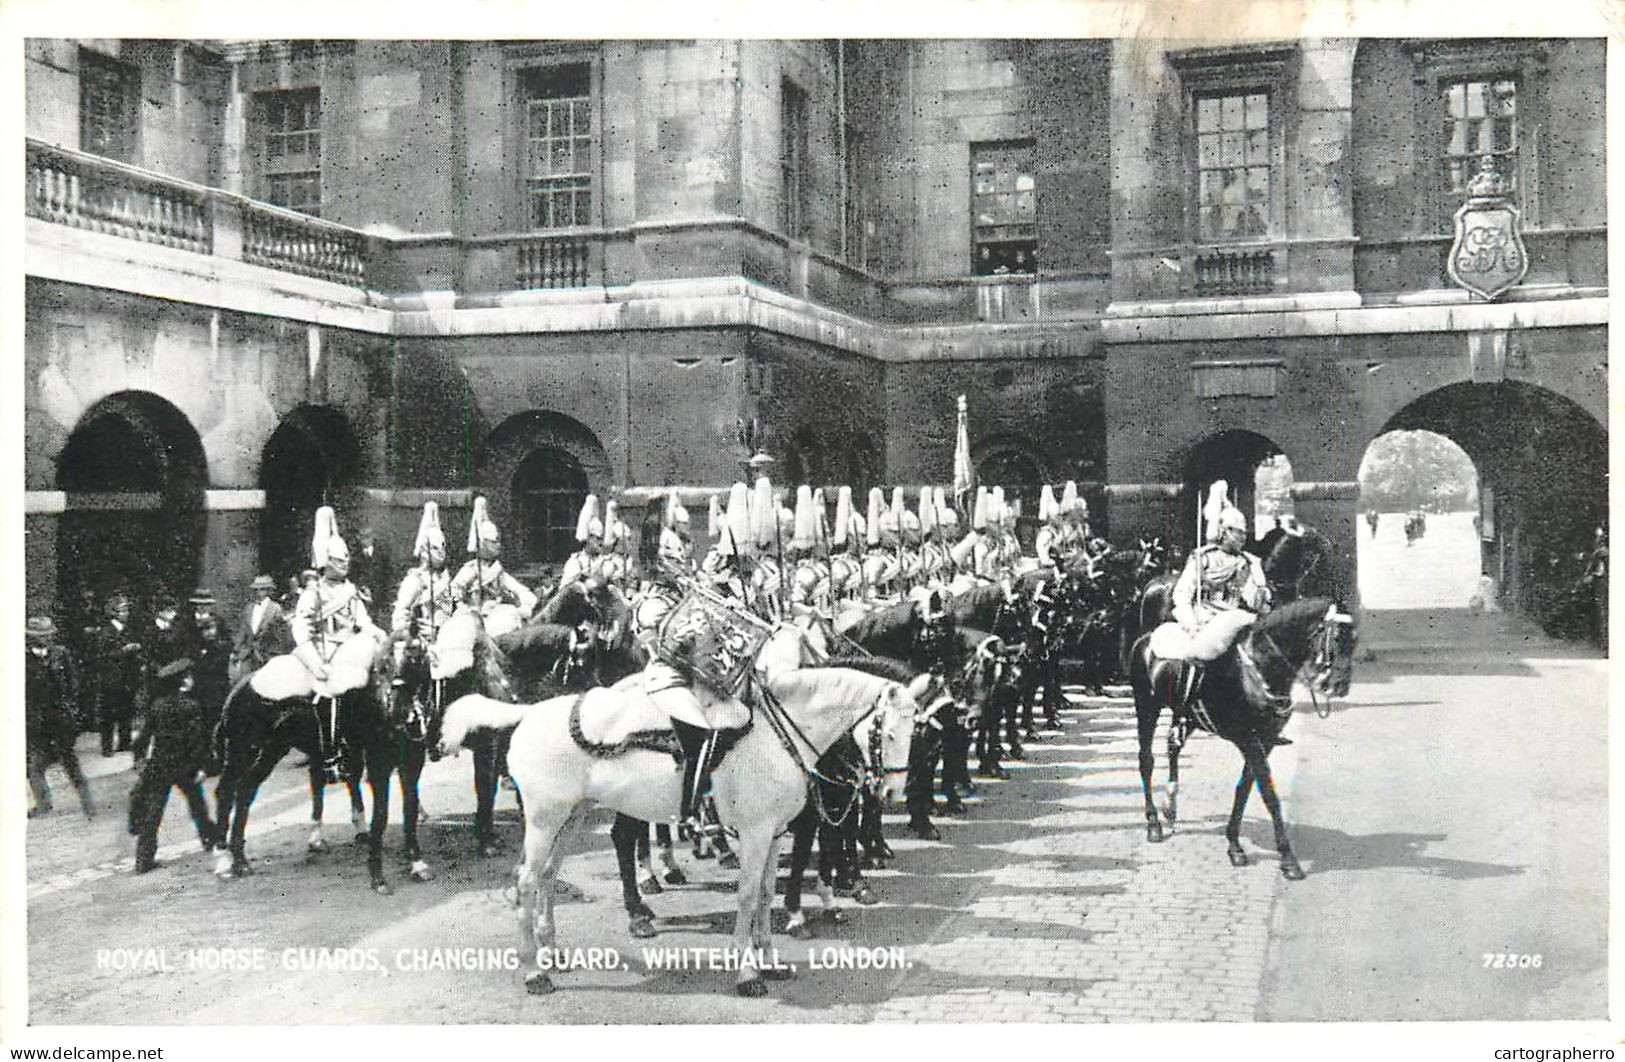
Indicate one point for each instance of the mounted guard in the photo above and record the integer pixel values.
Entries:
(846, 580)
(1219, 594)
(425, 603)
(584, 563)
(880, 563)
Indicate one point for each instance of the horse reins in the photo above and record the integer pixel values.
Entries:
(784, 725)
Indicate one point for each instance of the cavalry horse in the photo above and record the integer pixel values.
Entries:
(759, 786)
(1245, 698)
(256, 731)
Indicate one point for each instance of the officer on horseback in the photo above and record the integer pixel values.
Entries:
(329, 613)
(1221, 590)
(425, 600)
(810, 602)
(880, 562)
(584, 563)
(722, 570)
(846, 544)
(482, 583)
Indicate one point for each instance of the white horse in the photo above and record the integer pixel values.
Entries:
(759, 786)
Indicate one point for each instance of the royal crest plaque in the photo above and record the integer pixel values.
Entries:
(1488, 255)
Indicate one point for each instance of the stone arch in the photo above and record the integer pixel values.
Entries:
(1233, 455)
(1014, 463)
(535, 468)
(134, 475)
(1542, 462)
(305, 463)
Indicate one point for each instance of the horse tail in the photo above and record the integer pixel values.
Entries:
(474, 712)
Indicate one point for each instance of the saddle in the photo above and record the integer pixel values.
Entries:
(453, 650)
(284, 677)
(1170, 641)
(639, 724)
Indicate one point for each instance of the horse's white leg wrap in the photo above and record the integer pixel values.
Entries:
(826, 895)
(314, 842)
(420, 870)
(222, 862)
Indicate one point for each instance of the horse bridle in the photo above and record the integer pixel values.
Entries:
(783, 726)
(1320, 663)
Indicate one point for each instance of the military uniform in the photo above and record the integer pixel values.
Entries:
(484, 583)
(50, 701)
(424, 602)
(766, 588)
(175, 744)
(1216, 580)
(880, 571)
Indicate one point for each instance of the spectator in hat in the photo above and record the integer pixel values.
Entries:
(117, 667)
(170, 750)
(371, 569)
(262, 631)
(50, 700)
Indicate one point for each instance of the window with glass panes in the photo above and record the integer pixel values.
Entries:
(1004, 209)
(109, 95)
(559, 147)
(794, 179)
(1233, 164)
(1481, 118)
(291, 149)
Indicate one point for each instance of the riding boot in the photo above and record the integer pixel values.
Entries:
(332, 756)
(698, 744)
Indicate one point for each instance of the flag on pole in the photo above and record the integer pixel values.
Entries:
(964, 474)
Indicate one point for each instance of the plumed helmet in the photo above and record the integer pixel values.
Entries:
(979, 515)
(947, 518)
(764, 514)
(843, 516)
(429, 532)
(928, 511)
(325, 543)
(737, 524)
(877, 511)
(804, 530)
(1048, 508)
(675, 516)
(588, 525)
(996, 513)
(820, 509)
(481, 530)
(1219, 514)
(1071, 501)
(713, 517)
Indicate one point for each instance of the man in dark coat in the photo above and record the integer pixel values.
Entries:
(371, 570)
(171, 750)
(118, 668)
(262, 631)
(50, 698)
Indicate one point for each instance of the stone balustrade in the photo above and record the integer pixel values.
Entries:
(86, 192)
(1235, 272)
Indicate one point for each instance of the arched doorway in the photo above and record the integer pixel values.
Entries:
(134, 473)
(1419, 531)
(1258, 472)
(548, 488)
(1542, 465)
(312, 453)
(1011, 464)
(536, 468)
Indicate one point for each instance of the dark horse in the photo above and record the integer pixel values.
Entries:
(1298, 566)
(255, 734)
(1246, 698)
(539, 660)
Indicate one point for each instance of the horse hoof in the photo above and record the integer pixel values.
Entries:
(728, 861)
(675, 877)
(421, 872)
(538, 983)
(642, 928)
(836, 916)
(650, 886)
(799, 931)
(1153, 833)
(1292, 872)
(316, 847)
(382, 887)
(1238, 858)
(865, 896)
(755, 988)
(490, 849)
(925, 831)
(869, 862)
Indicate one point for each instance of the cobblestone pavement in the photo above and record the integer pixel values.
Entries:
(1081, 919)
(1044, 904)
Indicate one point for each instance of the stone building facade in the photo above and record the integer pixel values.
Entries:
(267, 274)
